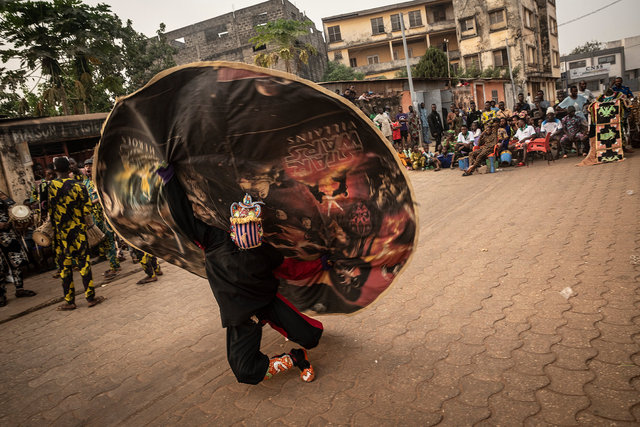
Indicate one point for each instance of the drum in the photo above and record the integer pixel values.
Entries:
(20, 216)
(43, 235)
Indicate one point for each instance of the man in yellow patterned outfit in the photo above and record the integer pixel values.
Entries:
(68, 205)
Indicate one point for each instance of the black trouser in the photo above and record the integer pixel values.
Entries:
(248, 364)
(437, 137)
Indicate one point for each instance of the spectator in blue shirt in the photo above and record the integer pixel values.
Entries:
(617, 87)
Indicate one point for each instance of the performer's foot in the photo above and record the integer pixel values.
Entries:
(278, 364)
(65, 306)
(95, 301)
(301, 360)
(147, 279)
(159, 271)
(56, 275)
(21, 293)
(98, 260)
(110, 274)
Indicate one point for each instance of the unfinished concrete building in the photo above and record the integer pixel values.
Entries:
(475, 33)
(226, 37)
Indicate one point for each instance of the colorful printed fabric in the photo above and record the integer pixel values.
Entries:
(606, 113)
(68, 205)
(414, 127)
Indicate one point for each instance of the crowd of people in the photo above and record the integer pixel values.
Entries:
(64, 201)
(476, 134)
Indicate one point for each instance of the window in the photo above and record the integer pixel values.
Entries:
(373, 59)
(395, 22)
(334, 34)
(531, 55)
(439, 13)
(577, 64)
(395, 55)
(553, 26)
(377, 26)
(215, 33)
(468, 27)
(337, 55)
(223, 34)
(472, 61)
(497, 20)
(500, 58)
(415, 19)
(494, 95)
(353, 62)
(528, 18)
(454, 68)
(260, 19)
(609, 59)
(556, 59)
(261, 47)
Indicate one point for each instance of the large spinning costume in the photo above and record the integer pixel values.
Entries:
(328, 179)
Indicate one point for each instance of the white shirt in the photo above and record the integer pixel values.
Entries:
(550, 126)
(526, 133)
(587, 94)
(465, 139)
(384, 122)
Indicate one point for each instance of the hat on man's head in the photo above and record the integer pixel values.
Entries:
(88, 161)
(550, 110)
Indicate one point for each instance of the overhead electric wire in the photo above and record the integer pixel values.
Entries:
(590, 13)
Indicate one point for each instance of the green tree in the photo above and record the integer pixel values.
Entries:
(337, 71)
(432, 64)
(79, 52)
(281, 38)
(591, 46)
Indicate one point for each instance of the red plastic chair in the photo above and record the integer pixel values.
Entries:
(540, 145)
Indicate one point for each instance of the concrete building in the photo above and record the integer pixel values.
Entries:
(27, 142)
(474, 32)
(226, 37)
(619, 58)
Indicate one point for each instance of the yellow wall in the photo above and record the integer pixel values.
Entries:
(384, 55)
(358, 29)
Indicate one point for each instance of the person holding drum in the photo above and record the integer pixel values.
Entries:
(69, 204)
(12, 255)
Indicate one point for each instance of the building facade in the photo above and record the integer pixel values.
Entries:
(474, 33)
(226, 37)
(619, 58)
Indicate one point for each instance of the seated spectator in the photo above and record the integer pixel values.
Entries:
(418, 161)
(493, 106)
(560, 112)
(403, 157)
(553, 127)
(464, 143)
(449, 143)
(523, 135)
(432, 160)
(363, 97)
(487, 114)
(503, 112)
(538, 112)
(575, 132)
(487, 143)
(475, 130)
(522, 104)
(505, 137)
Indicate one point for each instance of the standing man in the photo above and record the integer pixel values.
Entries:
(582, 90)
(488, 114)
(522, 104)
(544, 104)
(403, 119)
(574, 100)
(383, 121)
(560, 113)
(414, 127)
(12, 255)
(474, 115)
(435, 125)
(108, 245)
(426, 138)
(617, 87)
(68, 205)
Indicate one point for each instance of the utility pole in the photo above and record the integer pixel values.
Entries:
(406, 58)
(513, 86)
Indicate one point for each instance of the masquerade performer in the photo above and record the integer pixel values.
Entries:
(12, 256)
(242, 273)
(68, 205)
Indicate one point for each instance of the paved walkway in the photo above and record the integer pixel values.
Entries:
(476, 331)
